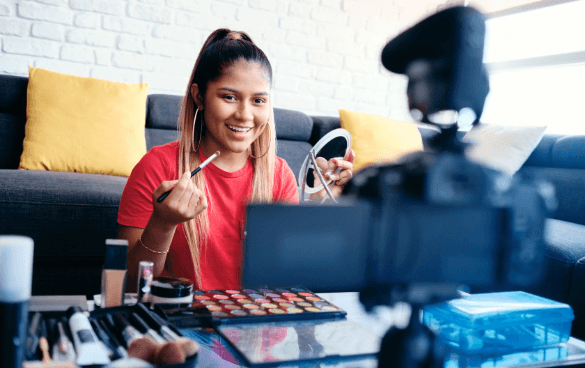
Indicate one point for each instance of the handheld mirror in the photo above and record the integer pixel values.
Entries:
(336, 143)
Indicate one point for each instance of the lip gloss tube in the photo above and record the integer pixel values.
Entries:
(145, 269)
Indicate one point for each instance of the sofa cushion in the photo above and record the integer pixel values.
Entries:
(569, 152)
(569, 184)
(162, 111)
(292, 125)
(12, 119)
(503, 148)
(323, 125)
(565, 276)
(79, 124)
(542, 154)
(379, 139)
(12, 128)
(69, 216)
(293, 152)
(13, 94)
(158, 137)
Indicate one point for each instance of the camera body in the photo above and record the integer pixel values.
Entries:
(439, 218)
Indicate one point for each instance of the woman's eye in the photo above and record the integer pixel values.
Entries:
(229, 97)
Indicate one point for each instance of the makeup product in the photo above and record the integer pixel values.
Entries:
(144, 281)
(16, 264)
(63, 347)
(32, 337)
(121, 352)
(146, 347)
(154, 320)
(254, 305)
(44, 343)
(112, 354)
(114, 273)
(89, 349)
(145, 329)
(211, 158)
(189, 346)
(168, 290)
(128, 332)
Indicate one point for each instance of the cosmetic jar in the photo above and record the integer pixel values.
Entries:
(168, 290)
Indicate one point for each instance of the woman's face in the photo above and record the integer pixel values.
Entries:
(236, 108)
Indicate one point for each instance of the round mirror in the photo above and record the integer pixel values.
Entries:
(336, 143)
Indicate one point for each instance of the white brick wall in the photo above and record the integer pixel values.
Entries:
(325, 53)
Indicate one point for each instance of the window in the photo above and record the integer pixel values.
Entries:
(536, 61)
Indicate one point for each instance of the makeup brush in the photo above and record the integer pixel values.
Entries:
(32, 339)
(145, 348)
(62, 347)
(189, 346)
(199, 168)
(44, 343)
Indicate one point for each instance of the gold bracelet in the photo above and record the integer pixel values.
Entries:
(152, 250)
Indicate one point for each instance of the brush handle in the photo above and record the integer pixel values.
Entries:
(166, 194)
(162, 197)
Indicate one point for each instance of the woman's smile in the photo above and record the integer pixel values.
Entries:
(240, 131)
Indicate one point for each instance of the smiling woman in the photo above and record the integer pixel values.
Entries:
(196, 232)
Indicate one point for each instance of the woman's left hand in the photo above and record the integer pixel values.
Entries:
(328, 169)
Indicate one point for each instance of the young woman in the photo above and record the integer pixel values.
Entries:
(196, 232)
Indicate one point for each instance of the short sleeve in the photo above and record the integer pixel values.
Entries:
(285, 183)
(136, 202)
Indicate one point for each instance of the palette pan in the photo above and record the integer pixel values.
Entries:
(258, 305)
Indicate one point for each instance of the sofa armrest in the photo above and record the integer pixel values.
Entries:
(577, 299)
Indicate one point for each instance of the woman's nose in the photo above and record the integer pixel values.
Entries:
(244, 112)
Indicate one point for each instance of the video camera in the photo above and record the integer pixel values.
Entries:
(436, 216)
(437, 219)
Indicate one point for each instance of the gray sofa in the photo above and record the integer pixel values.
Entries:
(69, 215)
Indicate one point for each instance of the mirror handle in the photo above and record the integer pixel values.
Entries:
(316, 169)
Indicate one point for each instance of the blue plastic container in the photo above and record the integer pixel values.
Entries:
(499, 322)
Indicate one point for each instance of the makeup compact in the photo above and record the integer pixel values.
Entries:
(252, 305)
(168, 290)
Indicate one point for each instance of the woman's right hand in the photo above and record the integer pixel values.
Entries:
(184, 202)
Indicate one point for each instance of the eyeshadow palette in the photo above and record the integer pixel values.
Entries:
(255, 305)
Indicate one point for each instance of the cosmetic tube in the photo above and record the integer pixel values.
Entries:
(114, 273)
(89, 349)
(145, 273)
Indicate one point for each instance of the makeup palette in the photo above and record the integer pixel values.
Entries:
(256, 305)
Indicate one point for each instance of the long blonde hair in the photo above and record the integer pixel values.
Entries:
(221, 49)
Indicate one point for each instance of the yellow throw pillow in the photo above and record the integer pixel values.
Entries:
(379, 139)
(84, 125)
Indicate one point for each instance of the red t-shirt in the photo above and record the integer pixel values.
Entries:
(227, 194)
